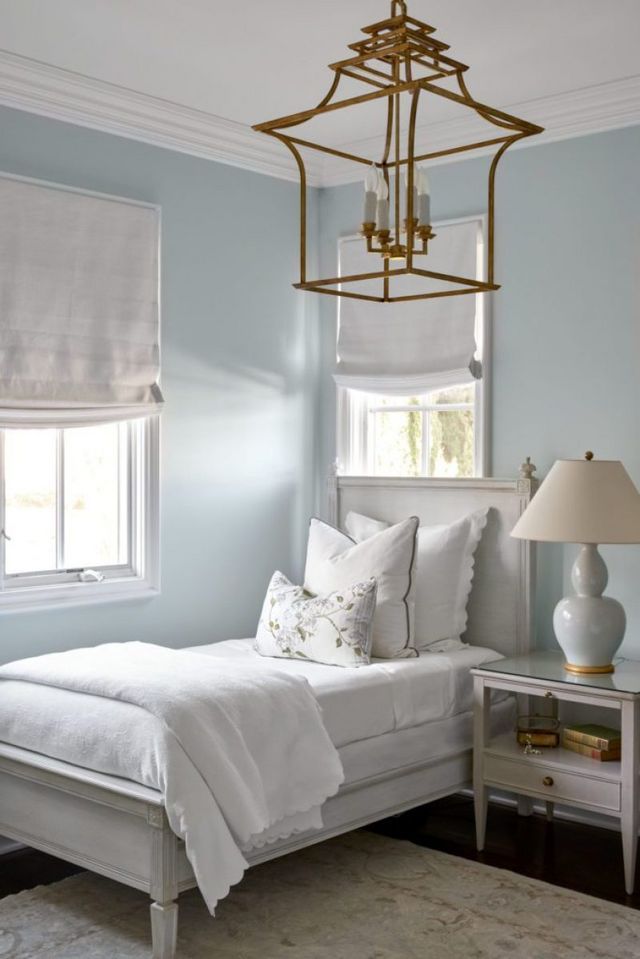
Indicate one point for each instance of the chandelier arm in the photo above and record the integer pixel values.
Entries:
(492, 113)
(329, 292)
(303, 201)
(299, 118)
(507, 125)
(492, 202)
(467, 147)
(282, 122)
(436, 296)
(361, 79)
(330, 150)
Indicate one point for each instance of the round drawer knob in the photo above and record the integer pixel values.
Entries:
(548, 694)
(547, 781)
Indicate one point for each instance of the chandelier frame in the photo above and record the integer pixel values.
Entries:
(394, 50)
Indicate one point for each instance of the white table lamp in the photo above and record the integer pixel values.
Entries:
(588, 502)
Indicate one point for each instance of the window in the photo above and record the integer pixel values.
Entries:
(436, 434)
(440, 433)
(79, 513)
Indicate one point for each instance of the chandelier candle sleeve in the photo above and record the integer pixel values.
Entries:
(370, 195)
(416, 175)
(424, 198)
(382, 212)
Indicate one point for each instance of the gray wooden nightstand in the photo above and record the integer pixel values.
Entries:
(559, 775)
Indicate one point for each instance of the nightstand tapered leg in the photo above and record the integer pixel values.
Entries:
(480, 739)
(630, 769)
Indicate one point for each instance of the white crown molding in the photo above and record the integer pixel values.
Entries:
(60, 94)
(596, 109)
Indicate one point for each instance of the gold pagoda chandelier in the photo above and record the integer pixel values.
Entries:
(407, 67)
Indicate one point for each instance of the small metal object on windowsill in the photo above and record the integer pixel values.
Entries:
(90, 576)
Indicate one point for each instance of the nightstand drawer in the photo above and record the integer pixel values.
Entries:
(553, 784)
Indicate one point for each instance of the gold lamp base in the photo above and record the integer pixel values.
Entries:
(589, 670)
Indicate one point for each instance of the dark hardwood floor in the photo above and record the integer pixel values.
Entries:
(566, 854)
(580, 857)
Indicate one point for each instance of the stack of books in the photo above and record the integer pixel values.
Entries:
(596, 742)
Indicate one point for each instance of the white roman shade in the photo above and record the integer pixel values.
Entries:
(79, 313)
(415, 346)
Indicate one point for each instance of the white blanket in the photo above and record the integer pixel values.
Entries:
(241, 755)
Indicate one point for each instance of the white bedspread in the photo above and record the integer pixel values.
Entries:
(239, 753)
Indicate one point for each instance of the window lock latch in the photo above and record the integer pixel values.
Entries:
(90, 576)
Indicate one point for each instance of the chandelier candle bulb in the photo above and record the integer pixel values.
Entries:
(382, 210)
(370, 194)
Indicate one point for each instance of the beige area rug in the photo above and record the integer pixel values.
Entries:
(361, 896)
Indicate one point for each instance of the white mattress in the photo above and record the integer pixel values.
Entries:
(371, 703)
(409, 747)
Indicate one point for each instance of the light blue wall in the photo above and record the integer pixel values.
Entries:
(248, 432)
(566, 323)
(239, 377)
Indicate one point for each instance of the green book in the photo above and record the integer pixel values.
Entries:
(591, 734)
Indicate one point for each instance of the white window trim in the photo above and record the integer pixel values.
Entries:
(352, 445)
(138, 580)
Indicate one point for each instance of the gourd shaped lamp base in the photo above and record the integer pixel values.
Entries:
(589, 627)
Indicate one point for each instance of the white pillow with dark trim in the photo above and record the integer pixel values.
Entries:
(334, 628)
(334, 559)
(444, 575)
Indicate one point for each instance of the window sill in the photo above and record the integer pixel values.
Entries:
(29, 599)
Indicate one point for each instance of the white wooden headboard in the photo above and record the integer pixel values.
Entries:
(502, 597)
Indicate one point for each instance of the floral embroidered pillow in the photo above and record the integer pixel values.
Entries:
(334, 628)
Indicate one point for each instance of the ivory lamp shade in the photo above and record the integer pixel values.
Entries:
(583, 501)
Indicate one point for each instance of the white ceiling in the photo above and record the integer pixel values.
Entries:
(251, 60)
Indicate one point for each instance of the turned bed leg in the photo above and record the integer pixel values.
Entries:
(164, 929)
(163, 885)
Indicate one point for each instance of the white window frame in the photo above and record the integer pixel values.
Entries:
(139, 578)
(353, 449)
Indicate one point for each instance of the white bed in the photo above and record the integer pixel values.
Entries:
(402, 728)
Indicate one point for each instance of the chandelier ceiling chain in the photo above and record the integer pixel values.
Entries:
(400, 59)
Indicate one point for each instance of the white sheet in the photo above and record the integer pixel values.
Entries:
(242, 755)
(385, 696)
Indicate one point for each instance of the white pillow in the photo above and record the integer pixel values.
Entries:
(334, 628)
(444, 574)
(333, 559)
(444, 577)
(361, 527)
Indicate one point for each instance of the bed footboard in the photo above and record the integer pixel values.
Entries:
(112, 827)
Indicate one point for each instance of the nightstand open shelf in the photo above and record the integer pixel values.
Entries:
(559, 775)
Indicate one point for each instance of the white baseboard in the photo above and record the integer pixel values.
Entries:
(8, 845)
